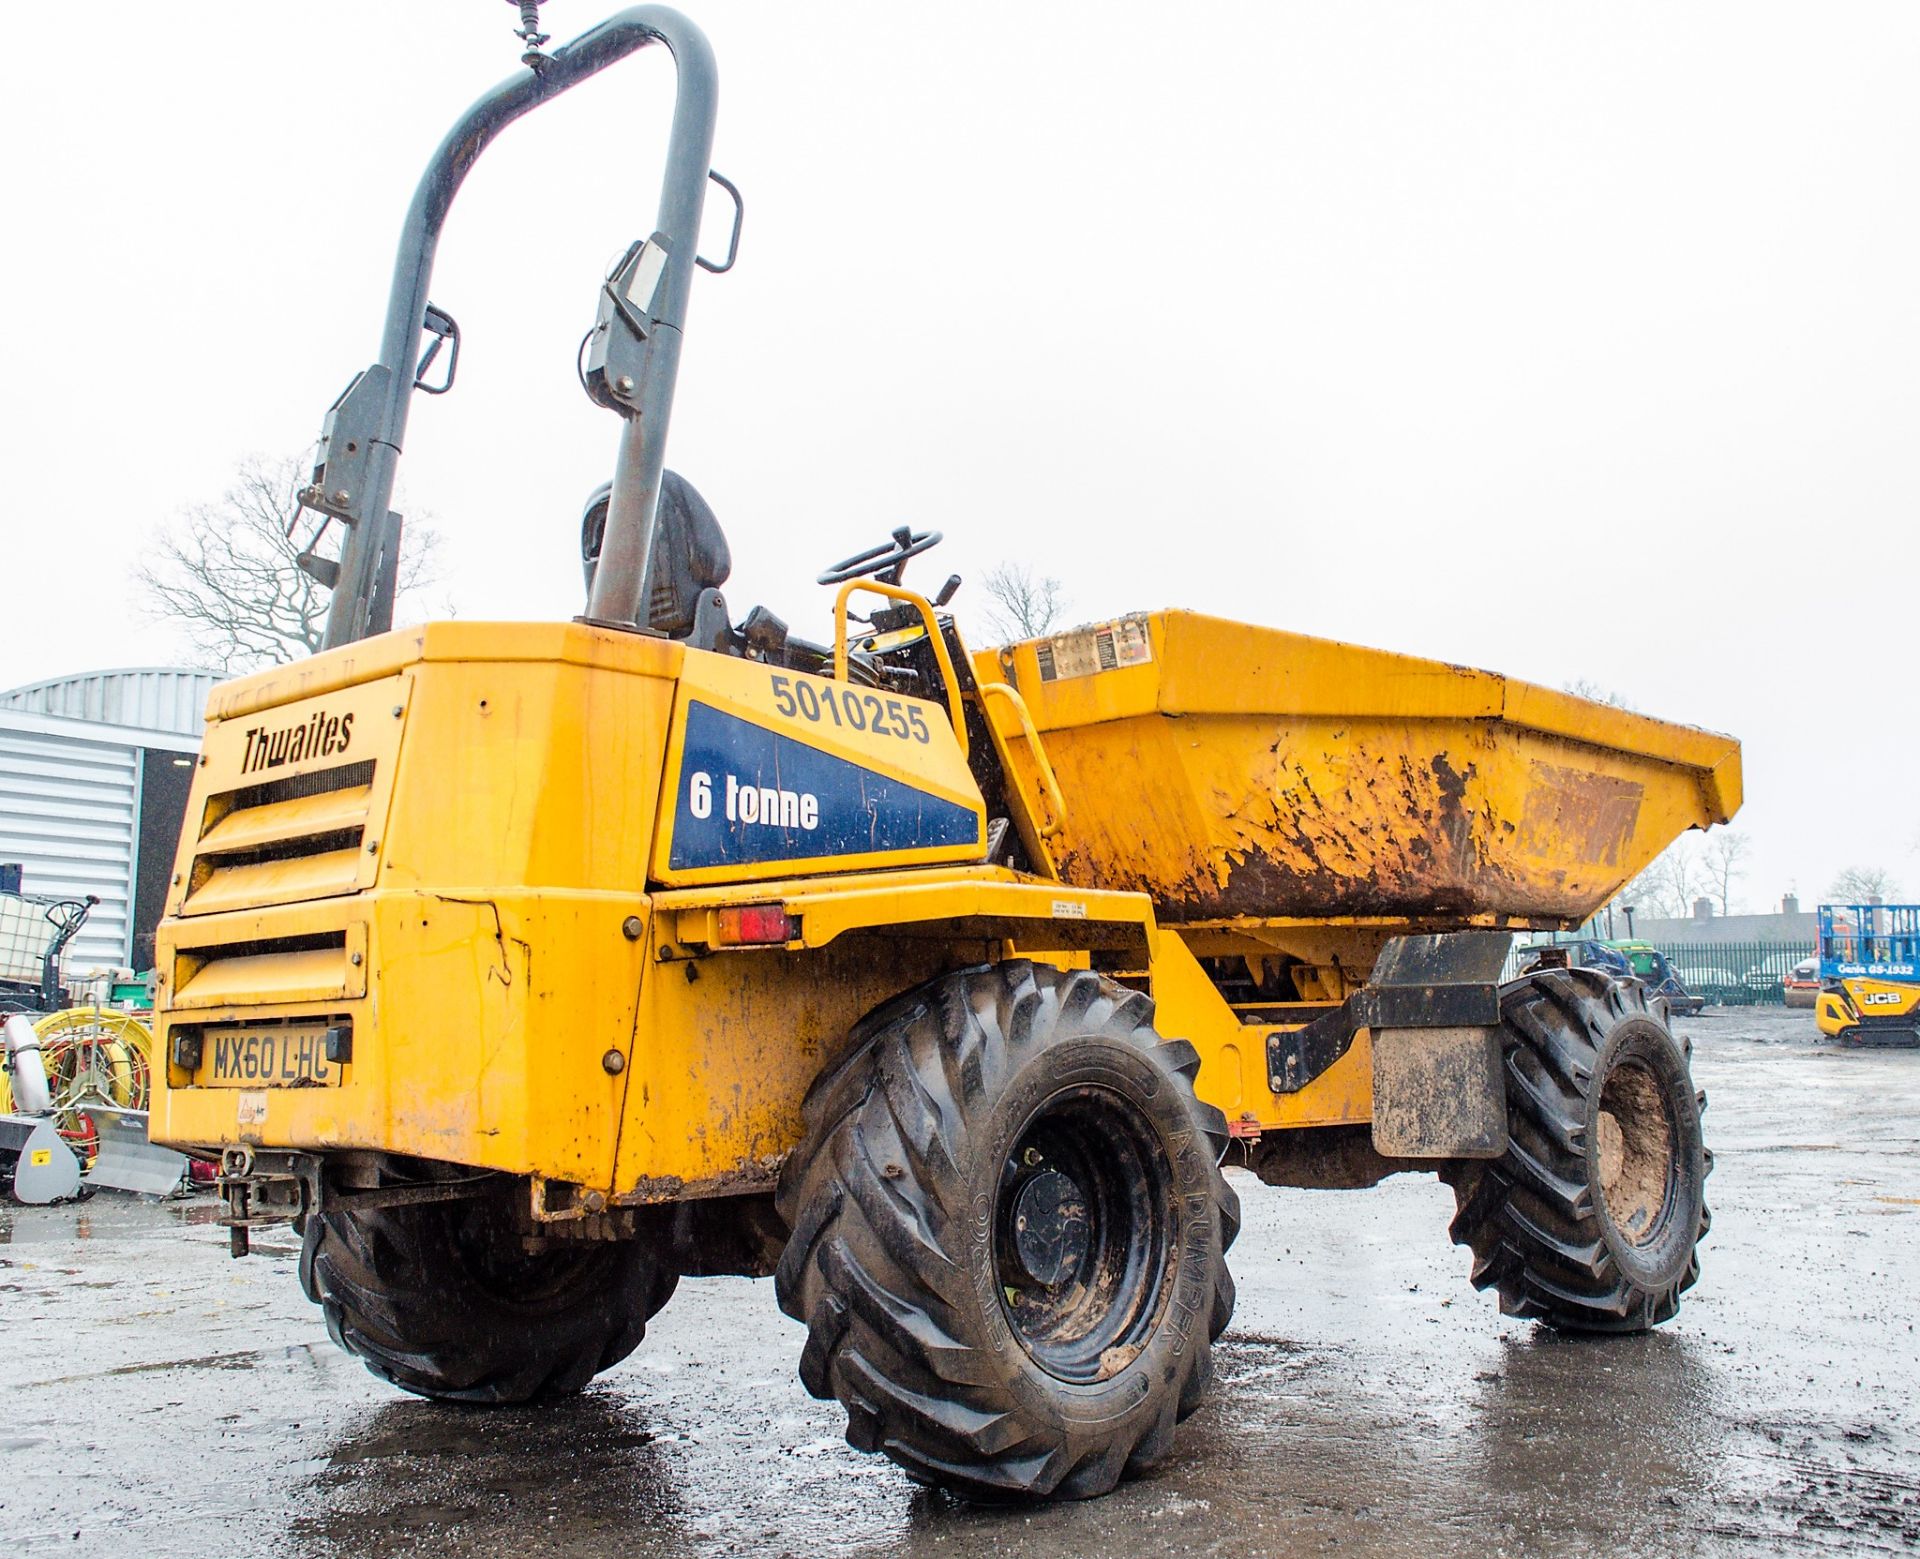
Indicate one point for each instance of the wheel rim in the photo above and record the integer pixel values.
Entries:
(1083, 1234)
(1639, 1154)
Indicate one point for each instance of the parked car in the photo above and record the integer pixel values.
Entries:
(1706, 979)
(1801, 985)
(1772, 970)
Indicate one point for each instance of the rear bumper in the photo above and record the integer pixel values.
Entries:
(465, 1046)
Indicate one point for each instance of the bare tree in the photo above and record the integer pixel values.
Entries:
(1580, 687)
(1862, 885)
(1022, 605)
(224, 573)
(1725, 864)
(1668, 886)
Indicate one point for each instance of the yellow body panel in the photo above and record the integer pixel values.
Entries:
(805, 719)
(1233, 1054)
(1831, 1014)
(468, 1044)
(728, 1044)
(262, 834)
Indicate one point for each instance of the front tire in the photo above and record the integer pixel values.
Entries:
(441, 1299)
(1009, 1227)
(1590, 1220)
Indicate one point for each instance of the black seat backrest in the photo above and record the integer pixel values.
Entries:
(689, 552)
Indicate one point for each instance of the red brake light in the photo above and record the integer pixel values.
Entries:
(754, 924)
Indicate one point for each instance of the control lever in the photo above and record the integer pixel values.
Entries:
(765, 633)
(767, 636)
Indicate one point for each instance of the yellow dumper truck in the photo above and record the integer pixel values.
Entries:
(524, 967)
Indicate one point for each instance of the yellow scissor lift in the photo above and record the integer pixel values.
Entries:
(526, 968)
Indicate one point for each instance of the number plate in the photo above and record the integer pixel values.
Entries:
(275, 1056)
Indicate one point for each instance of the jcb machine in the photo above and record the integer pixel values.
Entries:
(1869, 974)
(525, 968)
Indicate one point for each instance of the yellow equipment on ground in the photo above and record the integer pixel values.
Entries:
(1869, 973)
(526, 968)
(97, 1054)
(95, 1057)
(1869, 1011)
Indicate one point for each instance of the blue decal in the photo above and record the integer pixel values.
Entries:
(748, 794)
(1878, 941)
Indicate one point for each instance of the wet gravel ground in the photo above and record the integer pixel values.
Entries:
(161, 1399)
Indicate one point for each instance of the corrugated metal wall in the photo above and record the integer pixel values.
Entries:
(67, 814)
(70, 780)
(150, 698)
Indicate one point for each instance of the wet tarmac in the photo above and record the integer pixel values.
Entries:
(163, 1400)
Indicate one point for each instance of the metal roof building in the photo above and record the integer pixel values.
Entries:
(94, 772)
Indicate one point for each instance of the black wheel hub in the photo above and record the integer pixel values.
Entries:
(1050, 1230)
(1083, 1234)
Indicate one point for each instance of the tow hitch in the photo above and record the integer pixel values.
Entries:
(262, 1188)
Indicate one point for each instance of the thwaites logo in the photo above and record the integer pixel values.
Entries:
(322, 736)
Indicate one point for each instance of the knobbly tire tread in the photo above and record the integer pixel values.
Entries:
(875, 1264)
(397, 1294)
(1533, 1217)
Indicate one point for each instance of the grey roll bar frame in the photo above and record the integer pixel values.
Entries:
(361, 442)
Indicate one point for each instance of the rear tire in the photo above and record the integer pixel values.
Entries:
(440, 1299)
(1590, 1220)
(1009, 1226)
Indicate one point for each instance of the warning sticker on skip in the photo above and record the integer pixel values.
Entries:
(1103, 647)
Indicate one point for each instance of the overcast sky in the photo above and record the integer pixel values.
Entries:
(1574, 342)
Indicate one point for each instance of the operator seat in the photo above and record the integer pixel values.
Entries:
(689, 562)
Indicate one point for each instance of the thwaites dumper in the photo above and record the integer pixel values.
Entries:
(527, 967)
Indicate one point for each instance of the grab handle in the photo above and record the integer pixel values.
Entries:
(955, 710)
(1056, 801)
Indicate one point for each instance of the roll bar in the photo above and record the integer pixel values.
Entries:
(361, 439)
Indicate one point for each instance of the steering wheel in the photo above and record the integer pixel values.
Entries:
(888, 557)
(69, 915)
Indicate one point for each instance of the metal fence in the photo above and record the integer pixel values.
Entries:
(1736, 974)
(1725, 974)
